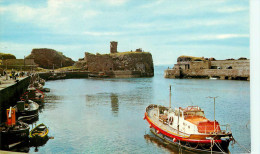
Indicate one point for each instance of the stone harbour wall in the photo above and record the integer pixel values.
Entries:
(221, 69)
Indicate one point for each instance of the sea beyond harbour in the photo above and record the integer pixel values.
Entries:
(106, 115)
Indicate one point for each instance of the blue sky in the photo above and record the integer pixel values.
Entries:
(166, 28)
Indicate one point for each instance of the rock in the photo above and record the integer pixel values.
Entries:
(46, 58)
(6, 56)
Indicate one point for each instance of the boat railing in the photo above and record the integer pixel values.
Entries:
(150, 107)
(225, 128)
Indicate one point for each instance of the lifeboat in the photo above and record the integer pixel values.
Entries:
(188, 127)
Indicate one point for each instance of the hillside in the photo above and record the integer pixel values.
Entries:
(47, 58)
(4, 56)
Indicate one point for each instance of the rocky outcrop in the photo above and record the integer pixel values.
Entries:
(6, 56)
(47, 58)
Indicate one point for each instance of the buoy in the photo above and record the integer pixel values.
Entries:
(151, 126)
(174, 139)
(158, 132)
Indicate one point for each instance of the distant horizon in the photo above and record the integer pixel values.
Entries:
(165, 28)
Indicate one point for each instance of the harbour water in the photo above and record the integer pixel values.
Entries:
(106, 115)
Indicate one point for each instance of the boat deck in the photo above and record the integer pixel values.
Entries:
(196, 119)
(153, 115)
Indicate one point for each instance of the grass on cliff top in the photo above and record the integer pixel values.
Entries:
(129, 52)
(192, 58)
(121, 53)
(68, 68)
(7, 56)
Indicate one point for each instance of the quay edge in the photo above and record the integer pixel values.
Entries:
(199, 67)
(10, 95)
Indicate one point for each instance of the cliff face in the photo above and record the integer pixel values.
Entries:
(46, 58)
(122, 61)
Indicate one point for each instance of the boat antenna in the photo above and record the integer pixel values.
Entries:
(170, 97)
(214, 111)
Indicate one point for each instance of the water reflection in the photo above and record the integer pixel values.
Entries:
(151, 138)
(103, 99)
(21, 147)
(114, 104)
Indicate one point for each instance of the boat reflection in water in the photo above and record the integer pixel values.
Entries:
(151, 138)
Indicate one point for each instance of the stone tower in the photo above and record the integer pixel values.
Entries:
(113, 47)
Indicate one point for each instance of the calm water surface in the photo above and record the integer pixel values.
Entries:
(106, 115)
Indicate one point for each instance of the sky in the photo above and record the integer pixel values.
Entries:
(166, 28)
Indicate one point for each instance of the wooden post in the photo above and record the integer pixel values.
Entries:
(170, 98)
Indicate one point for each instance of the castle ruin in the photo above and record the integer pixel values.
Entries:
(200, 67)
(113, 47)
(120, 64)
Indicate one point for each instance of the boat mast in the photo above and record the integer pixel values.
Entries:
(178, 120)
(214, 111)
(170, 97)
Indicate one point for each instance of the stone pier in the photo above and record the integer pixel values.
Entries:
(10, 92)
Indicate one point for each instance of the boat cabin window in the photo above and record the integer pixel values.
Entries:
(163, 110)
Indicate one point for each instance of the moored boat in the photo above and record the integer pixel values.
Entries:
(189, 128)
(13, 132)
(39, 135)
(27, 110)
(34, 95)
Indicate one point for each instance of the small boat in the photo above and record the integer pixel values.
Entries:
(27, 110)
(98, 75)
(188, 127)
(214, 78)
(34, 95)
(39, 135)
(46, 90)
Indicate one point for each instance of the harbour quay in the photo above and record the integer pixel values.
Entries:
(10, 91)
(210, 68)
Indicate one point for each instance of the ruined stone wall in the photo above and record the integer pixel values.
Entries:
(125, 61)
(207, 73)
(172, 73)
(19, 62)
(235, 64)
(98, 63)
(199, 64)
(223, 73)
(133, 61)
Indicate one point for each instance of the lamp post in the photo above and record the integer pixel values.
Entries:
(214, 110)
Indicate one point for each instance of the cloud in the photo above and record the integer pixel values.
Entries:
(216, 36)
(152, 4)
(55, 16)
(231, 9)
(116, 2)
(102, 33)
(72, 25)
